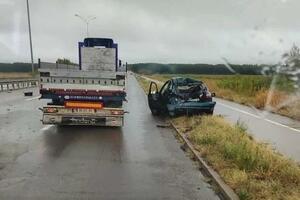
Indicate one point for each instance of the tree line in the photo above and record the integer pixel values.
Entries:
(150, 68)
(222, 69)
(26, 67)
(16, 67)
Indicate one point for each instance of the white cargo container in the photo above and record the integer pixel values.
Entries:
(99, 59)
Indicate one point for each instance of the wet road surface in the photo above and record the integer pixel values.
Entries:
(137, 161)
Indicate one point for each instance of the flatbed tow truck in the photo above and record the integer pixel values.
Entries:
(91, 93)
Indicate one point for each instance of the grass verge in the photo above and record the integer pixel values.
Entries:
(143, 83)
(252, 169)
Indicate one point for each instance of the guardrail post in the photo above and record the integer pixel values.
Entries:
(18, 84)
(39, 63)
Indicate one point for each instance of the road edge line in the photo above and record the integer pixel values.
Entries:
(226, 191)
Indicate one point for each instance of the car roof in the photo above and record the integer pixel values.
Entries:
(185, 81)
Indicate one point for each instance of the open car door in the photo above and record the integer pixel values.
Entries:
(154, 99)
(158, 100)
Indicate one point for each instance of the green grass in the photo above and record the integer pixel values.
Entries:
(249, 85)
(246, 84)
(252, 169)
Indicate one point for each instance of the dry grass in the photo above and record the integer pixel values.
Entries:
(14, 75)
(292, 111)
(252, 169)
(278, 98)
(143, 83)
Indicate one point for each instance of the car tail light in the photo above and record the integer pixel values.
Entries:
(50, 110)
(76, 104)
(117, 112)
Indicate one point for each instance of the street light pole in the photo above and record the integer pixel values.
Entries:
(30, 39)
(86, 21)
(87, 29)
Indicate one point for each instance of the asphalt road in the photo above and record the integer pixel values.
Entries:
(137, 161)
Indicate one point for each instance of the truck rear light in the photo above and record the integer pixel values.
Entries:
(50, 110)
(77, 104)
(117, 112)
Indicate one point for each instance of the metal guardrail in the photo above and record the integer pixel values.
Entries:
(8, 85)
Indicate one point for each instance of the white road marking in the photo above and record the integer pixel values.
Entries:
(258, 117)
(276, 123)
(33, 98)
(46, 127)
(239, 110)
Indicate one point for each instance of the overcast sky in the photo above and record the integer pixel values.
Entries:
(167, 31)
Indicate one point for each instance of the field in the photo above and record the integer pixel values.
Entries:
(14, 75)
(252, 169)
(251, 90)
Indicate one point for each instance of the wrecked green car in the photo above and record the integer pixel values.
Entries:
(180, 96)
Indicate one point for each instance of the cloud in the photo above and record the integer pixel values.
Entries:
(245, 31)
